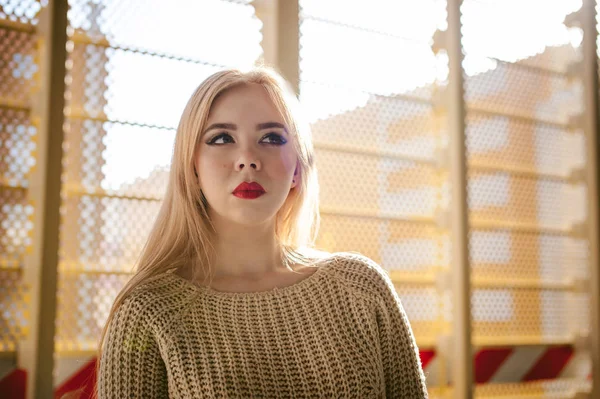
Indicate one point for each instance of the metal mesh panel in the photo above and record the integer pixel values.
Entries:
(14, 318)
(543, 95)
(378, 133)
(127, 86)
(554, 389)
(352, 29)
(385, 185)
(16, 226)
(546, 148)
(547, 389)
(107, 241)
(512, 313)
(130, 25)
(18, 135)
(506, 197)
(115, 88)
(18, 65)
(497, 254)
(424, 309)
(17, 146)
(25, 11)
(526, 193)
(100, 155)
(89, 297)
(403, 246)
(409, 127)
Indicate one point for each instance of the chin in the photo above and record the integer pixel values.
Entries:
(249, 218)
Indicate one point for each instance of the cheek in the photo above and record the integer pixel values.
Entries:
(286, 163)
(211, 169)
(211, 162)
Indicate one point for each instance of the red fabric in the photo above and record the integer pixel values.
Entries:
(14, 384)
(81, 385)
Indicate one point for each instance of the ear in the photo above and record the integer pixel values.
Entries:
(296, 179)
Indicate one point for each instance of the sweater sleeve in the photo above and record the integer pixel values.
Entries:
(131, 365)
(404, 377)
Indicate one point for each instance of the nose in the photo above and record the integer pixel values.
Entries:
(247, 159)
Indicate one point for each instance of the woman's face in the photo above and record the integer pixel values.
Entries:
(245, 140)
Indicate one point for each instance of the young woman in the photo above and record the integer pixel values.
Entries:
(229, 299)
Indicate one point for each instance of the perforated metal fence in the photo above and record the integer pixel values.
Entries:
(18, 137)
(374, 85)
(381, 130)
(526, 191)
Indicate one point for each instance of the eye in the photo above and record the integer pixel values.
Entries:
(275, 138)
(224, 136)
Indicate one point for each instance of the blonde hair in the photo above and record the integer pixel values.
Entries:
(182, 235)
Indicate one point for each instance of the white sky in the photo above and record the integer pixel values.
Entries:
(154, 90)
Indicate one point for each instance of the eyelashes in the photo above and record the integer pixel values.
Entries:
(213, 141)
(278, 139)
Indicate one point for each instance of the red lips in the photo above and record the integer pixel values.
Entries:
(249, 190)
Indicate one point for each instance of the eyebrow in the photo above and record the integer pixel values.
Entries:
(260, 126)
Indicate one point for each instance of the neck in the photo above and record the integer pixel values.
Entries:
(246, 251)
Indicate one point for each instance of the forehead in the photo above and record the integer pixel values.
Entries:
(246, 101)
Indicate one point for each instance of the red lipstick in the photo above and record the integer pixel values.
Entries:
(249, 190)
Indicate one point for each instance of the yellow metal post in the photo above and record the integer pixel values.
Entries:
(592, 127)
(281, 37)
(36, 352)
(462, 363)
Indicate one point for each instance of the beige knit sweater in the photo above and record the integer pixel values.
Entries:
(339, 333)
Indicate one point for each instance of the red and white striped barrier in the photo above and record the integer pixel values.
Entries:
(516, 364)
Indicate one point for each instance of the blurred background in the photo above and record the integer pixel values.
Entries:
(456, 146)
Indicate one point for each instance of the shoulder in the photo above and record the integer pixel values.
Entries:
(358, 266)
(362, 274)
(155, 299)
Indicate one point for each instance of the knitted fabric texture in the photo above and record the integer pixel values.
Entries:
(339, 333)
